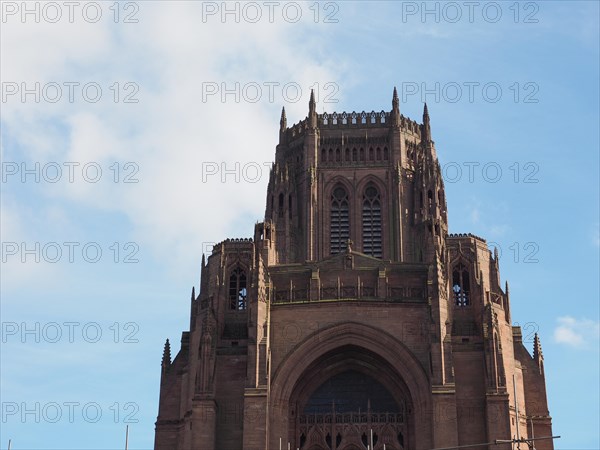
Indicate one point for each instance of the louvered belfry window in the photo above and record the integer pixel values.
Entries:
(340, 220)
(461, 285)
(371, 222)
(237, 290)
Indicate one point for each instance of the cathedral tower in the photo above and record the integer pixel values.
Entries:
(352, 318)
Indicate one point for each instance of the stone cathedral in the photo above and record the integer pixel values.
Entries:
(352, 319)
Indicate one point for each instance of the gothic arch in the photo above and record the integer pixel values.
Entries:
(234, 263)
(341, 361)
(461, 257)
(328, 189)
(381, 187)
(304, 367)
(362, 184)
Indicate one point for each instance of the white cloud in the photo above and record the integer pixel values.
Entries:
(577, 333)
(475, 215)
(170, 133)
(21, 245)
(499, 230)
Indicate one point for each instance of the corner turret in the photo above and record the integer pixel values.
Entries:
(166, 359)
(538, 357)
(425, 128)
(282, 125)
(312, 110)
(395, 109)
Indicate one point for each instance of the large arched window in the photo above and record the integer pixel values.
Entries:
(362, 404)
(237, 290)
(371, 222)
(340, 220)
(460, 285)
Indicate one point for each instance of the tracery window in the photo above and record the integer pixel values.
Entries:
(460, 285)
(237, 289)
(340, 220)
(371, 222)
(362, 409)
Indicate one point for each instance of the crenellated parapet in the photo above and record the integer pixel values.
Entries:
(364, 119)
(296, 130)
(466, 235)
(354, 120)
(232, 243)
(351, 121)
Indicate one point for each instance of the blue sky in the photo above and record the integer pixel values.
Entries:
(172, 123)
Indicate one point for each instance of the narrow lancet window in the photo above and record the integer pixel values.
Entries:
(280, 205)
(460, 285)
(340, 220)
(371, 222)
(237, 290)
